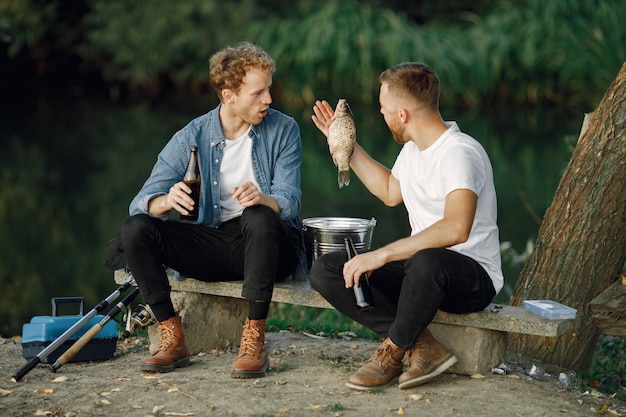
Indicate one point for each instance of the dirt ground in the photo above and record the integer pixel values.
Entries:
(307, 379)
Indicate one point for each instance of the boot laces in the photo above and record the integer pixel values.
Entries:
(383, 356)
(249, 340)
(167, 337)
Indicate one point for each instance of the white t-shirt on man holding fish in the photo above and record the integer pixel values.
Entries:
(454, 161)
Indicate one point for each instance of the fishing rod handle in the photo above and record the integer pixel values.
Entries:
(26, 368)
(76, 347)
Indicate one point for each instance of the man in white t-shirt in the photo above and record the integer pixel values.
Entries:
(450, 262)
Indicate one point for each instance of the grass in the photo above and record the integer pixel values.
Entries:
(323, 322)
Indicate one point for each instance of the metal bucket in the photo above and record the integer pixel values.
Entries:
(327, 234)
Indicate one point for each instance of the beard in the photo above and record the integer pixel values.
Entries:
(397, 132)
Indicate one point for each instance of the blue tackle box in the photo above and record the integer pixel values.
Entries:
(43, 330)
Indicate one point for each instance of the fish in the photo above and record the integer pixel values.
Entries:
(341, 140)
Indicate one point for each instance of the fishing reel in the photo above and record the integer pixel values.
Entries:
(137, 320)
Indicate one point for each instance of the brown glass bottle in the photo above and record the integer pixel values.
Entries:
(192, 179)
(362, 292)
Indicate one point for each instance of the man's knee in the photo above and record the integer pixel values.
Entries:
(326, 271)
(132, 227)
(425, 261)
(259, 218)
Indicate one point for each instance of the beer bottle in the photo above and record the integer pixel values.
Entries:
(362, 292)
(192, 179)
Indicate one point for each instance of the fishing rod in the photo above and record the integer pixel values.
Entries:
(84, 339)
(73, 329)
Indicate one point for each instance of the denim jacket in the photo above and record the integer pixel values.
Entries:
(276, 159)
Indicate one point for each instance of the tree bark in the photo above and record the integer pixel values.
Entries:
(581, 244)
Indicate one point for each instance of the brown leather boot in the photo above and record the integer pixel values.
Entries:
(172, 351)
(252, 360)
(427, 359)
(381, 370)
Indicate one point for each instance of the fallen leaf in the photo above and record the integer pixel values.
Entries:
(45, 390)
(103, 401)
(415, 397)
(400, 412)
(60, 379)
(603, 409)
(172, 388)
(106, 394)
(5, 392)
(596, 393)
(42, 413)
(314, 406)
(150, 377)
(477, 376)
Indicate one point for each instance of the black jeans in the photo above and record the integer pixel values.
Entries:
(407, 294)
(257, 247)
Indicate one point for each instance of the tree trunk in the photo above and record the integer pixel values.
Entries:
(581, 244)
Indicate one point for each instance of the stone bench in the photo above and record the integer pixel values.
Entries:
(213, 314)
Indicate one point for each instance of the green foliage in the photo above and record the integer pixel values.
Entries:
(24, 23)
(530, 52)
(607, 372)
(563, 52)
(138, 43)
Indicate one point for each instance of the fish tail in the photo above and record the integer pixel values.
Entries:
(343, 178)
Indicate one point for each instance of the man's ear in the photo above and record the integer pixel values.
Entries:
(403, 114)
(227, 95)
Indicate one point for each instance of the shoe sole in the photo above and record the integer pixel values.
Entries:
(368, 388)
(239, 374)
(424, 378)
(151, 368)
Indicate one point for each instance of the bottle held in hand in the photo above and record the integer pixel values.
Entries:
(192, 179)
(362, 292)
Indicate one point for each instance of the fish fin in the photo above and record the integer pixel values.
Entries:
(343, 178)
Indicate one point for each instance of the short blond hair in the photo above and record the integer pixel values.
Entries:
(228, 67)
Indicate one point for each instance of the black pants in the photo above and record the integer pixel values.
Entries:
(257, 247)
(407, 294)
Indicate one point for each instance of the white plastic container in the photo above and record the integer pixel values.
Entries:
(550, 309)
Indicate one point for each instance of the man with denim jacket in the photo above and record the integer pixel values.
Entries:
(248, 226)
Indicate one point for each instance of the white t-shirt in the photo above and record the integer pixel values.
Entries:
(236, 168)
(455, 161)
